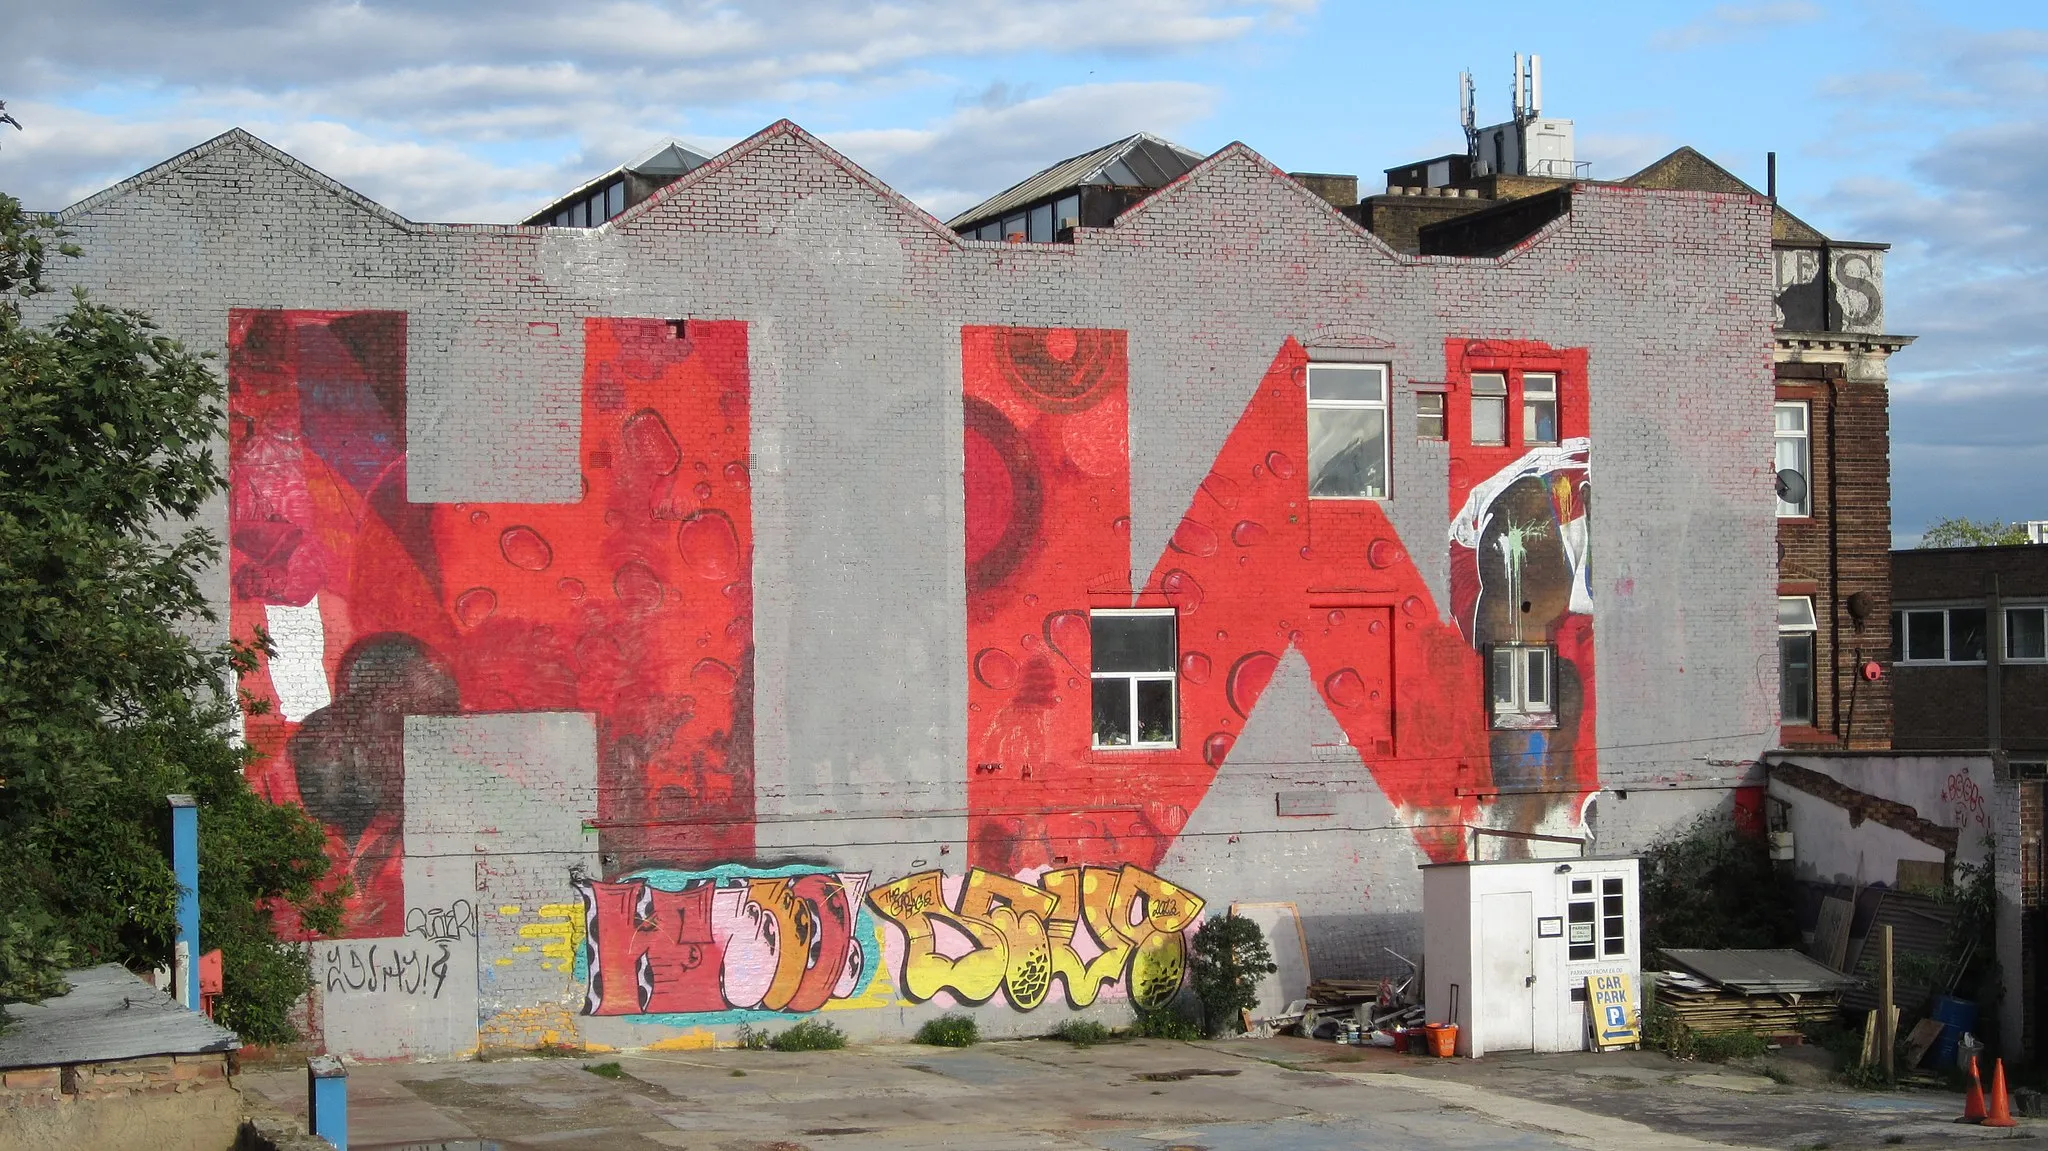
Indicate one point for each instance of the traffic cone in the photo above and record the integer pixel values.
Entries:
(2001, 1107)
(1973, 1103)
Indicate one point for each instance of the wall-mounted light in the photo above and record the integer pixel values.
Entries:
(1564, 868)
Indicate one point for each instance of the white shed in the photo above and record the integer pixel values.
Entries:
(1518, 938)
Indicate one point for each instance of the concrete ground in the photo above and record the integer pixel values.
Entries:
(1140, 1095)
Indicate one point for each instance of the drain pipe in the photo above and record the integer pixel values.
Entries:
(185, 865)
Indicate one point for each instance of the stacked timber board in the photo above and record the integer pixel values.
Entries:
(1765, 992)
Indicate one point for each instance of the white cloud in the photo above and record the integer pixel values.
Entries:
(1726, 22)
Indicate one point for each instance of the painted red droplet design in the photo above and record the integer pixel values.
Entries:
(648, 443)
(1066, 632)
(1383, 554)
(1216, 748)
(571, 587)
(637, 587)
(1345, 688)
(1247, 534)
(736, 474)
(702, 492)
(1414, 606)
(1336, 617)
(996, 668)
(710, 545)
(1181, 591)
(479, 517)
(713, 675)
(523, 547)
(1248, 677)
(1194, 538)
(1281, 463)
(1194, 667)
(1222, 489)
(475, 606)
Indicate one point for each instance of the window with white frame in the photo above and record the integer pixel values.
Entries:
(1792, 452)
(1520, 685)
(1347, 431)
(1796, 629)
(1489, 408)
(1938, 635)
(1539, 408)
(2026, 633)
(1133, 671)
(1429, 416)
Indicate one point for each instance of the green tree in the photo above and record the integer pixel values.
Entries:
(1713, 885)
(1962, 532)
(1230, 957)
(107, 702)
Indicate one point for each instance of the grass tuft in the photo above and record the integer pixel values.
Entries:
(809, 1035)
(605, 1070)
(1082, 1033)
(950, 1031)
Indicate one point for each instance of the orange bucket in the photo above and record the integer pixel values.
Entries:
(1443, 1039)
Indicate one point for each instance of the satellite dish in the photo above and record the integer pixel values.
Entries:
(1791, 486)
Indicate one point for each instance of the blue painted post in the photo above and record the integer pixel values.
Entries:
(327, 1100)
(185, 865)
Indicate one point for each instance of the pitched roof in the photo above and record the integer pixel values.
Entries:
(670, 158)
(243, 138)
(1690, 171)
(1140, 161)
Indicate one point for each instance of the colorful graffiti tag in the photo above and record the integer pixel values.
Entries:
(1086, 927)
(633, 603)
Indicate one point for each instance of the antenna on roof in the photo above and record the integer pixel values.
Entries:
(1516, 88)
(1468, 114)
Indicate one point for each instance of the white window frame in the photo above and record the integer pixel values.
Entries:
(1948, 635)
(1804, 438)
(1521, 704)
(1548, 395)
(1472, 409)
(1171, 677)
(1382, 406)
(1807, 624)
(1423, 402)
(2005, 632)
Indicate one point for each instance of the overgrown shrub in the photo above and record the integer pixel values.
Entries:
(751, 1038)
(1230, 957)
(1082, 1033)
(809, 1035)
(1166, 1022)
(1663, 1031)
(605, 1070)
(950, 1031)
(1713, 885)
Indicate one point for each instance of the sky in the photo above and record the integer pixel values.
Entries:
(1924, 125)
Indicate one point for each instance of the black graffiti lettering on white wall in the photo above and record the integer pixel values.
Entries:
(453, 922)
(416, 969)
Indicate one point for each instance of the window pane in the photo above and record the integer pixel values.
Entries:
(1924, 635)
(1132, 642)
(1966, 634)
(1014, 226)
(2026, 637)
(1582, 887)
(1365, 383)
(1347, 452)
(1795, 613)
(1790, 455)
(1898, 636)
(1539, 383)
(1611, 886)
(1429, 427)
(1067, 213)
(1579, 935)
(1489, 420)
(1041, 224)
(1155, 711)
(1791, 417)
(1795, 677)
(1489, 384)
(1113, 712)
(1504, 678)
(1536, 687)
(615, 199)
(1539, 421)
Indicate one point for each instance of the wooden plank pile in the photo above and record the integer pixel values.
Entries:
(1345, 992)
(1708, 1008)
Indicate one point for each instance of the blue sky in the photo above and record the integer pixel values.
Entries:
(1921, 124)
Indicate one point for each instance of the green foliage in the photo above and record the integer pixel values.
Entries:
(1663, 1031)
(605, 1070)
(1082, 1033)
(1713, 886)
(751, 1038)
(1230, 957)
(950, 1031)
(809, 1035)
(107, 703)
(1167, 1022)
(1962, 532)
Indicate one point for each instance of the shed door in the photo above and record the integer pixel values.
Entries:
(1505, 1012)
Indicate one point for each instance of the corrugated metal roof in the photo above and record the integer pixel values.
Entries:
(108, 1014)
(1140, 161)
(1773, 972)
(1920, 926)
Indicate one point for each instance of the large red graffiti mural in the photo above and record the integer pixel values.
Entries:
(1253, 570)
(633, 603)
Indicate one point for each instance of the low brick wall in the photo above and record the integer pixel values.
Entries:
(154, 1103)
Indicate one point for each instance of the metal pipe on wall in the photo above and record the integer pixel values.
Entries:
(185, 865)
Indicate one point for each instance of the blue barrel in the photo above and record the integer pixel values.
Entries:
(1957, 1016)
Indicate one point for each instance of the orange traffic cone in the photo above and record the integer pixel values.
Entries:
(1973, 1103)
(2001, 1108)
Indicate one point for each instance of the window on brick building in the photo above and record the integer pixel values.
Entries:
(1938, 635)
(1489, 408)
(1134, 681)
(1793, 454)
(1520, 684)
(1539, 408)
(1796, 630)
(1347, 431)
(2026, 633)
(1429, 416)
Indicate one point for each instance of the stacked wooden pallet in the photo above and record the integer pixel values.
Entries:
(1343, 992)
(1708, 1008)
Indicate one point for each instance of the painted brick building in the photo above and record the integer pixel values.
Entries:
(770, 601)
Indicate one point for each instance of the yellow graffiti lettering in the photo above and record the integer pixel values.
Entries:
(916, 903)
(1017, 911)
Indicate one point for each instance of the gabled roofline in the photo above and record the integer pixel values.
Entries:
(1234, 150)
(249, 139)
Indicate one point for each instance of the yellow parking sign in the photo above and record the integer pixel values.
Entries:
(1614, 1010)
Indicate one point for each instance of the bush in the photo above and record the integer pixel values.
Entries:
(809, 1035)
(1663, 1031)
(1082, 1033)
(1168, 1022)
(751, 1038)
(605, 1070)
(1714, 886)
(950, 1031)
(1230, 958)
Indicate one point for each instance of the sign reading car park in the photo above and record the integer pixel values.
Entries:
(1614, 1012)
